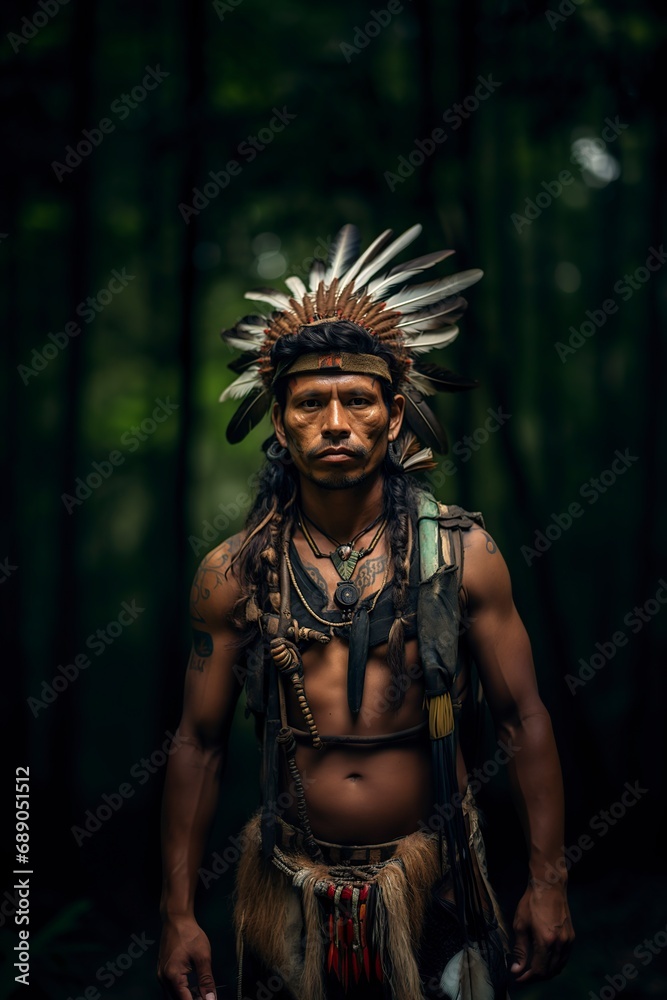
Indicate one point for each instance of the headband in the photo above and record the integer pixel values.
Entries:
(332, 364)
(368, 289)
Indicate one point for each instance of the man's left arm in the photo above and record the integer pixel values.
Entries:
(501, 648)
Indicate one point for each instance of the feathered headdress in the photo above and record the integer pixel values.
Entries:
(409, 320)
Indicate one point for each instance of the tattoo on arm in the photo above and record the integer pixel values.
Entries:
(210, 577)
(490, 544)
(370, 571)
(195, 663)
(202, 647)
(202, 643)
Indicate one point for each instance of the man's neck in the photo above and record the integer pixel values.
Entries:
(342, 513)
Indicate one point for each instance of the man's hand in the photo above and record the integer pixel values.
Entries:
(184, 946)
(543, 933)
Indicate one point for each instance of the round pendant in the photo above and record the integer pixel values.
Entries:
(346, 595)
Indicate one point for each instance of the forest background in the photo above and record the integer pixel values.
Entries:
(161, 159)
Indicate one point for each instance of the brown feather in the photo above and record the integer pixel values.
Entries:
(387, 324)
(344, 296)
(423, 421)
(249, 414)
(298, 310)
(330, 301)
(445, 380)
(244, 361)
(421, 263)
(319, 298)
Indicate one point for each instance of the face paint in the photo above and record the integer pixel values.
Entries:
(336, 428)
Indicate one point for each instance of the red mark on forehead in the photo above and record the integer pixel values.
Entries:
(329, 361)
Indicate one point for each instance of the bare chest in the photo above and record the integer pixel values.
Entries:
(367, 575)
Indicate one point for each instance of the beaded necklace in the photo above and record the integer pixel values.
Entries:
(326, 621)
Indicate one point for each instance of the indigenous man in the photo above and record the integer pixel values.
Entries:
(351, 608)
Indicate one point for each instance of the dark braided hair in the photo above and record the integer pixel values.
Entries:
(272, 516)
(400, 503)
(257, 562)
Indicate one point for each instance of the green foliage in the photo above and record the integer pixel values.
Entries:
(157, 337)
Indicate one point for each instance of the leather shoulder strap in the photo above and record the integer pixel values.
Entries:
(440, 534)
(429, 549)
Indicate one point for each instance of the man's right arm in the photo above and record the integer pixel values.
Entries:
(192, 783)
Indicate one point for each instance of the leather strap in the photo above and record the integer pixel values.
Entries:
(429, 553)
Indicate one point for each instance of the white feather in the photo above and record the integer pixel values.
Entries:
(316, 275)
(368, 253)
(344, 249)
(430, 341)
(404, 240)
(244, 384)
(253, 329)
(424, 455)
(421, 382)
(249, 333)
(244, 345)
(431, 317)
(422, 263)
(466, 977)
(296, 287)
(409, 299)
(387, 281)
(276, 299)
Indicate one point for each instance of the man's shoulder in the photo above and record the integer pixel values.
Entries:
(216, 588)
(453, 516)
(448, 515)
(485, 574)
(222, 555)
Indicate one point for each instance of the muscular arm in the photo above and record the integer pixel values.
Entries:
(501, 648)
(195, 768)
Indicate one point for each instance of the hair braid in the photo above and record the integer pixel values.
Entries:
(400, 497)
(258, 560)
(270, 557)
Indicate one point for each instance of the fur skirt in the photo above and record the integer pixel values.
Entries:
(362, 915)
